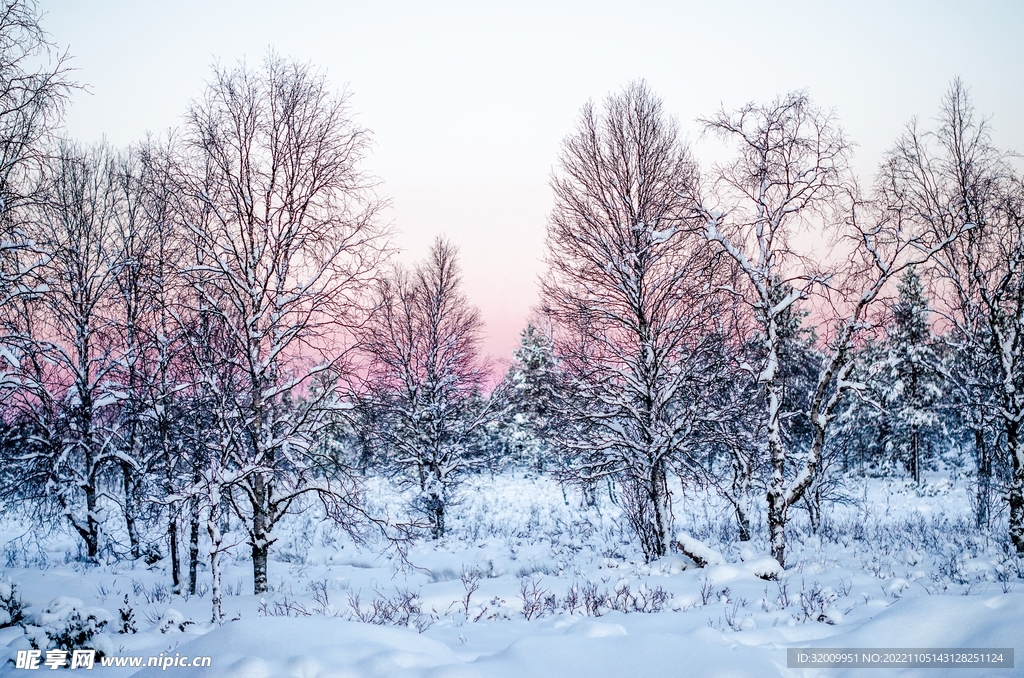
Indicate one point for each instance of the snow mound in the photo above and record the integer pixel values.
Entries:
(936, 621)
(592, 629)
(313, 647)
(765, 567)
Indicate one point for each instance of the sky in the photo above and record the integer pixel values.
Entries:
(469, 101)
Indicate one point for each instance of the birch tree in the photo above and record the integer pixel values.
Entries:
(791, 174)
(68, 373)
(34, 87)
(285, 238)
(957, 184)
(427, 374)
(150, 292)
(627, 291)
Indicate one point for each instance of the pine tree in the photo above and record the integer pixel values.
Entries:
(127, 615)
(910, 385)
(526, 398)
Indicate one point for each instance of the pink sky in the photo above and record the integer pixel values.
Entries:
(469, 101)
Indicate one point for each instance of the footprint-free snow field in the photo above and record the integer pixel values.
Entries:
(529, 582)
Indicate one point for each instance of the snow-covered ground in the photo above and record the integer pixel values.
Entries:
(530, 583)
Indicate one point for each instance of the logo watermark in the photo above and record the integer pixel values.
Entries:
(85, 659)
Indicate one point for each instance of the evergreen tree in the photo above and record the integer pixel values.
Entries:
(909, 383)
(862, 427)
(525, 399)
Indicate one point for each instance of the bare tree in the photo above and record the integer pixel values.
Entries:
(150, 289)
(284, 235)
(426, 375)
(791, 174)
(629, 289)
(34, 87)
(790, 167)
(164, 364)
(214, 468)
(70, 353)
(955, 182)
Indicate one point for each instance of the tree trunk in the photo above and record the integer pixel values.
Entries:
(193, 547)
(741, 493)
(172, 539)
(435, 510)
(813, 501)
(216, 596)
(1015, 491)
(984, 492)
(82, 530)
(92, 525)
(660, 515)
(259, 567)
(258, 538)
(130, 501)
(743, 522)
(777, 510)
(92, 541)
(778, 504)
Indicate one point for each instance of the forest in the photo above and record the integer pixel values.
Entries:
(206, 338)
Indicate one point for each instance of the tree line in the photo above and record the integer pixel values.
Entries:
(210, 324)
(770, 313)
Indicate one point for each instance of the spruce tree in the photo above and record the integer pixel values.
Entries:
(527, 393)
(910, 385)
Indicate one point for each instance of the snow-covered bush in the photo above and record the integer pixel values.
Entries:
(404, 609)
(536, 599)
(173, 621)
(12, 610)
(67, 624)
(816, 604)
(158, 593)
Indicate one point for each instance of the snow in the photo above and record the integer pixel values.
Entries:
(313, 647)
(764, 567)
(896, 567)
(65, 616)
(698, 550)
(940, 621)
(634, 645)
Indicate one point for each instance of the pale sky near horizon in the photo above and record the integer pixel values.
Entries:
(469, 101)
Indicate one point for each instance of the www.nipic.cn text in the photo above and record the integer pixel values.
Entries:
(86, 659)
